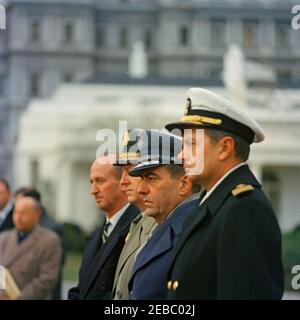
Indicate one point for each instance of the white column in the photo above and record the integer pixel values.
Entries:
(22, 174)
(51, 32)
(64, 192)
(295, 41)
(206, 34)
(195, 33)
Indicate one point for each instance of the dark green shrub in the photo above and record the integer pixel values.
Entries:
(74, 236)
(290, 254)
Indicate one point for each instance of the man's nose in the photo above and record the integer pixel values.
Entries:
(93, 189)
(143, 188)
(124, 179)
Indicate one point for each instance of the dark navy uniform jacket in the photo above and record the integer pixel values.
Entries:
(230, 247)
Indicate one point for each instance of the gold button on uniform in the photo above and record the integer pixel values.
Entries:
(170, 285)
(175, 285)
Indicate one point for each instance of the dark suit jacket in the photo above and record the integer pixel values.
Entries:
(149, 276)
(97, 271)
(231, 246)
(8, 222)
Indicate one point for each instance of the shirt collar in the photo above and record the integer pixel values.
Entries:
(194, 196)
(220, 180)
(116, 217)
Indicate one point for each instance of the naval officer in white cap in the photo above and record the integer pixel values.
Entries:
(230, 247)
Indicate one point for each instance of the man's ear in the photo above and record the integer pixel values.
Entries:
(186, 185)
(226, 148)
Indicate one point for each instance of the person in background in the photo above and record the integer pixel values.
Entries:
(30, 252)
(6, 206)
(47, 222)
(141, 227)
(100, 258)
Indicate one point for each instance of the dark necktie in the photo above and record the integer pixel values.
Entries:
(105, 231)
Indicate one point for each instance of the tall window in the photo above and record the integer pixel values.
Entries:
(68, 32)
(35, 31)
(183, 36)
(148, 39)
(285, 75)
(34, 84)
(282, 35)
(249, 34)
(216, 72)
(123, 38)
(218, 33)
(100, 37)
(67, 77)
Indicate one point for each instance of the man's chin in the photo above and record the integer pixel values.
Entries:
(99, 205)
(150, 212)
(23, 229)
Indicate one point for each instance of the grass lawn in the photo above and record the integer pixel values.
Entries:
(71, 266)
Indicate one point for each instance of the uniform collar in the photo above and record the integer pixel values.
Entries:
(181, 212)
(193, 197)
(208, 193)
(241, 175)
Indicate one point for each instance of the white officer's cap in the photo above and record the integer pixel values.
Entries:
(205, 109)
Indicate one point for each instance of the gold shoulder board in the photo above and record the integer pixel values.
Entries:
(241, 188)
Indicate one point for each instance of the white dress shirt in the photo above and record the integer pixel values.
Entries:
(115, 219)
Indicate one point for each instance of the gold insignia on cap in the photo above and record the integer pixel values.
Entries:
(188, 106)
(241, 188)
(125, 138)
(129, 156)
(201, 120)
(170, 285)
(175, 285)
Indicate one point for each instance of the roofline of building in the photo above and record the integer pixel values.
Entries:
(205, 82)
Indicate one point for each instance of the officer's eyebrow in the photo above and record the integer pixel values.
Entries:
(151, 174)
